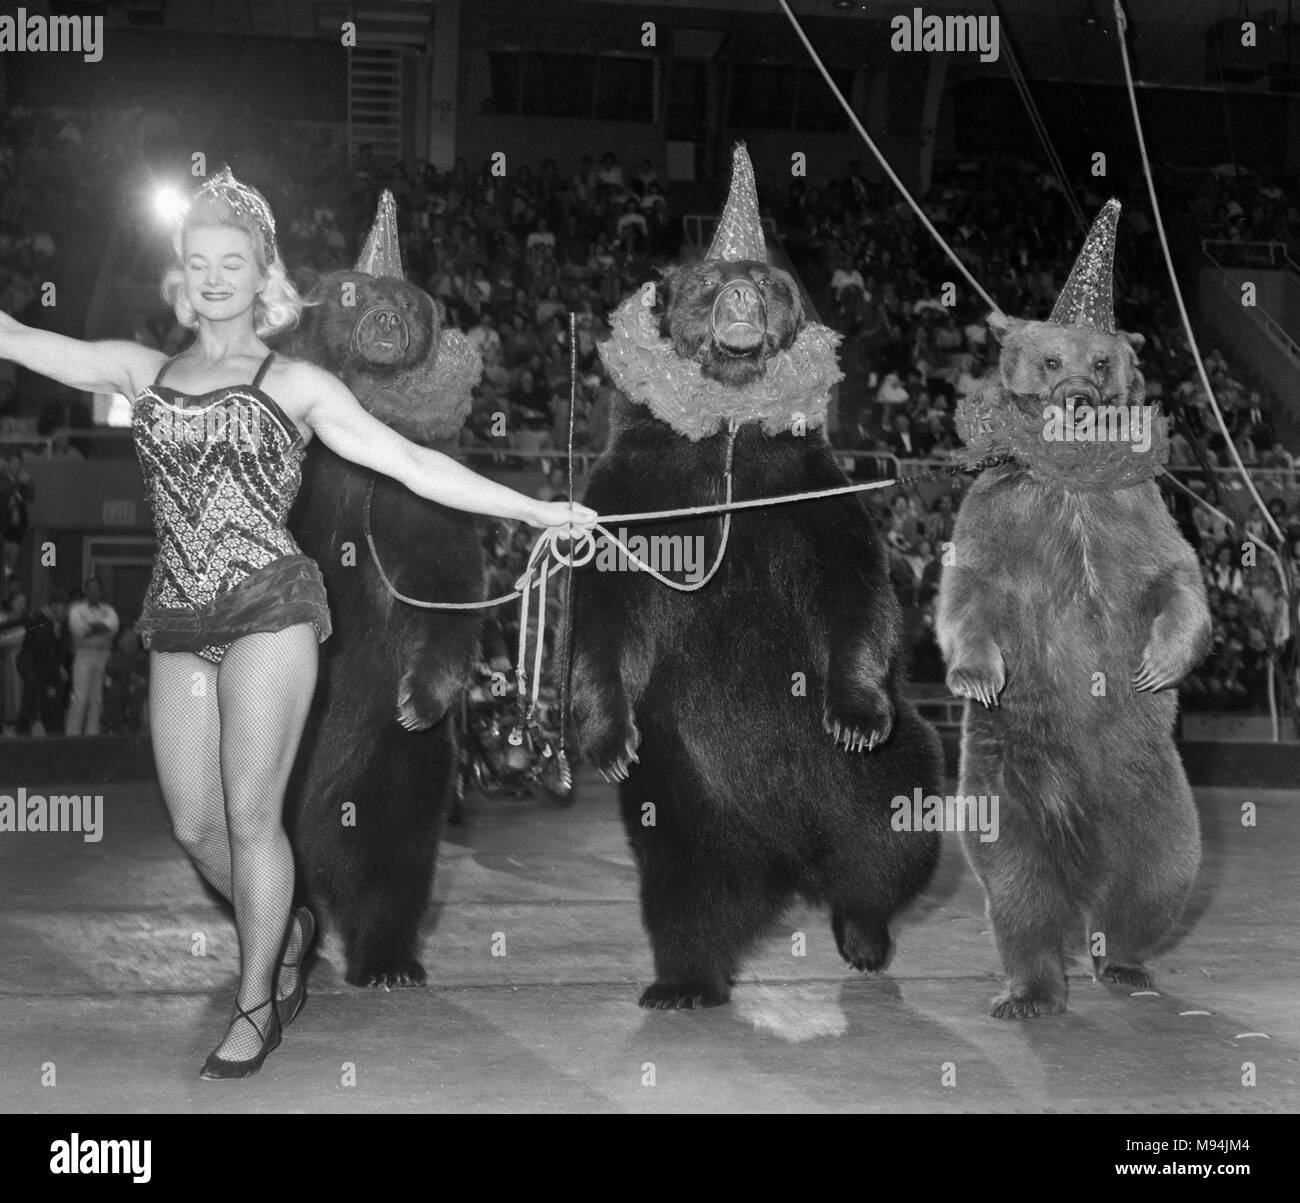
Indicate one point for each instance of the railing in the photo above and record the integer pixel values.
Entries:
(1247, 254)
(887, 465)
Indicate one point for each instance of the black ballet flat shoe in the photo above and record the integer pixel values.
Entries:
(219, 1069)
(289, 1006)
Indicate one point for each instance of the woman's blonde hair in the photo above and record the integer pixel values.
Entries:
(278, 305)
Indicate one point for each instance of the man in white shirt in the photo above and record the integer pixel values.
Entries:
(92, 624)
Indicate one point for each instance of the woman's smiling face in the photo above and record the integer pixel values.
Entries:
(222, 276)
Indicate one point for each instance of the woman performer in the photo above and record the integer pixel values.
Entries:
(234, 610)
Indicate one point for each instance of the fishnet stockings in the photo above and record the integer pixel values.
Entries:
(224, 739)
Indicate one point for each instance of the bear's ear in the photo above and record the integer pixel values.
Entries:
(1003, 327)
(796, 297)
(1136, 341)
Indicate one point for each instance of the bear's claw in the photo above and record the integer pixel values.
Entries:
(399, 976)
(1151, 678)
(979, 687)
(852, 739)
(1026, 1006)
(417, 708)
(617, 766)
(682, 996)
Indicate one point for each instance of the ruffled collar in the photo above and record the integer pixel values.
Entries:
(991, 424)
(794, 390)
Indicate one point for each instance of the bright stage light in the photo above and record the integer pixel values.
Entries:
(168, 203)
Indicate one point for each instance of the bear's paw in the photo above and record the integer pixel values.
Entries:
(1170, 654)
(683, 996)
(1030, 1002)
(980, 677)
(390, 977)
(417, 706)
(614, 752)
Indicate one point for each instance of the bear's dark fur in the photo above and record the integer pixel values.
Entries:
(1071, 615)
(735, 795)
(377, 762)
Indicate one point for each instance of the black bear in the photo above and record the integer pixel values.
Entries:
(378, 758)
(1071, 610)
(755, 723)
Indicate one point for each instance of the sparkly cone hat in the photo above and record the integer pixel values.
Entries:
(740, 228)
(382, 254)
(1087, 300)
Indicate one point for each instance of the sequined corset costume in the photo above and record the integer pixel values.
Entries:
(221, 470)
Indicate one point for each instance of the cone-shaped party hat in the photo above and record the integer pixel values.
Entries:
(1087, 300)
(740, 228)
(382, 254)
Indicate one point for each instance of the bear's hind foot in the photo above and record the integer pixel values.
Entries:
(1136, 976)
(1029, 1002)
(388, 977)
(667, 995)
(867, 947)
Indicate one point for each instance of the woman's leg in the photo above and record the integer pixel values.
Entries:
(264, 690)
(186, 733)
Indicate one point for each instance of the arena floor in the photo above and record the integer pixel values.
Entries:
(100, 991)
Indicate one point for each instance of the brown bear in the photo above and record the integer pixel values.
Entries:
(756, 724)
(377, 764)
(1070, 610)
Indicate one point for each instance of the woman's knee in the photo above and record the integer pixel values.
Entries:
(254, 816)
(197, 833)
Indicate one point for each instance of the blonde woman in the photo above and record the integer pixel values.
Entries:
(234, 610)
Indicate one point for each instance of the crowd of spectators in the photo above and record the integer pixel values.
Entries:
(508, 256)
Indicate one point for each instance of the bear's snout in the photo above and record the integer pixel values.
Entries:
(381, 335)
(739, 316)
(1071, 392)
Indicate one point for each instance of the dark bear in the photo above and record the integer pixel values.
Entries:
(756, 725)
(1071, 610)
(376, 768)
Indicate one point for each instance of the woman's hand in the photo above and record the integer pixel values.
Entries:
(559, 513)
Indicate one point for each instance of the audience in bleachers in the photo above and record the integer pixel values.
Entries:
(508, 258)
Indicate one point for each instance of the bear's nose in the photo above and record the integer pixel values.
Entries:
(1073, 391)
(739, 301)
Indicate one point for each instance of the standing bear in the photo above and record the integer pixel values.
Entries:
(1072, 609)
(755, 722)
(378, 758)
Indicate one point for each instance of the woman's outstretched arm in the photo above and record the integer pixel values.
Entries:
(111, 366)
(328, 407)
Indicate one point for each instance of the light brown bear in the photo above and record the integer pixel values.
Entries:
(1072, 609)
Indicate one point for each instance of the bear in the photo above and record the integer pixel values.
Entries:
(379, 758)
(756, 724)
(1070, 610)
